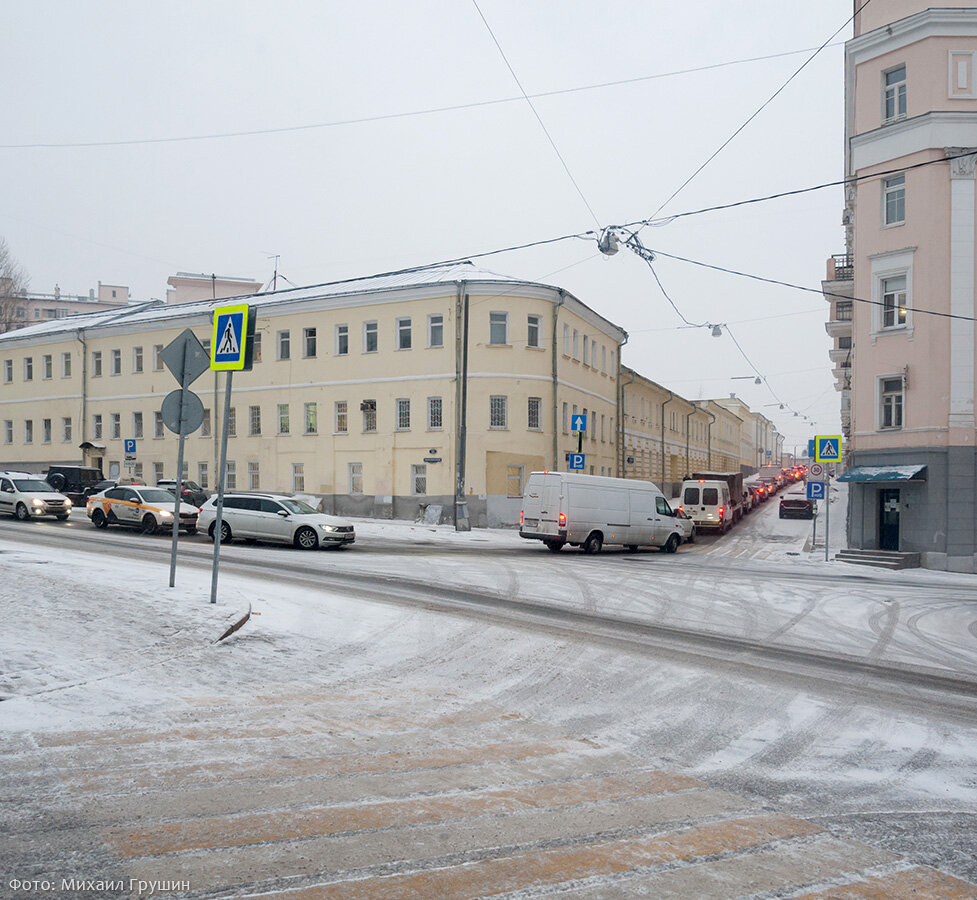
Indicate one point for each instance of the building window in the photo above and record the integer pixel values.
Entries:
(498, 412)
(28, 431)
(603, 358)
(283, 422)
(29, 368)
(894, 94)
(844, 343)
(8, 431)
(894, 200)
(308, 342)
(342, 417)
(355, 470)
(115, 426)
(435, 330)
(371, 337)
(205, 424)
(566, 419)
(137, 425)
(891, 398)
(137, 360)
(311, 418)
(8, 371)
(254, 476)
(894, 302)
(284, 345)
(256, 348)
(602, 423)
(45, 431)
(566, 340)
(232, 422)
(158, 425)
(403, 414)
(157, 359)
(97, 427)
(369, 408)
(96, 363)
(403, 334)
(254, 420)
(434, 417)
(47, 366)
(115, 366)
(298, 476)
(418, 479)
(230, 475)
(498, 328)
(342, 340)
(586, 350)
(576, 344)
(157, 472)
(202, 472)
(66, 429)
(66, 365)
(514, 480)
(534, 331)
(533, 415)
(843, 310)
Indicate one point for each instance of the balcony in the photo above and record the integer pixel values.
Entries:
(841, 267)
(840, 356)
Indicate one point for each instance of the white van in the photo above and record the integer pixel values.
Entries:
(590, 511)
(709, 503)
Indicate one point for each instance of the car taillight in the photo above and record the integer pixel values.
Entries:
(722, 510)
(521, 514)
(563, 520)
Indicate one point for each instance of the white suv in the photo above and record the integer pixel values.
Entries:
(30, 497)
(273, 517)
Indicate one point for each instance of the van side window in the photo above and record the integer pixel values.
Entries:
(710, 496)
(662, 506)
(691, 497)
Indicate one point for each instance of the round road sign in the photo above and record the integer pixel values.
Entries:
(816, 470)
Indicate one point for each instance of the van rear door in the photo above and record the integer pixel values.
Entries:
(643, 515)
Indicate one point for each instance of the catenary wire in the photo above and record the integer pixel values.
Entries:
(763, 106)
(542, 124)
(457, 107)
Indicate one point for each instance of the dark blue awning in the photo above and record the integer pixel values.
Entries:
(878, 474)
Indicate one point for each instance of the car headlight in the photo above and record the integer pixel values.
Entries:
(166, 514)
(67, 503)
(329, 528)
(37, 502)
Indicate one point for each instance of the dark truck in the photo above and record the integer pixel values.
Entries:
(74, 481)
(735, 482)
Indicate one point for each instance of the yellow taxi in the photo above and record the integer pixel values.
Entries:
(145, 508)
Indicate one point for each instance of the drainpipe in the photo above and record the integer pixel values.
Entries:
(622, 411)
(688, 435)
(84, 387)
(462, 522)
(708, 436)
(556, 385)
(671, 397)
(622, 468)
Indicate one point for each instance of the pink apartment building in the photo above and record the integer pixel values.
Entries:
(905, 343)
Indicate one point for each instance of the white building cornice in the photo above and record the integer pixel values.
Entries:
(896, 35)
(930, 131)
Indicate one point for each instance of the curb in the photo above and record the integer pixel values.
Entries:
(235, 626)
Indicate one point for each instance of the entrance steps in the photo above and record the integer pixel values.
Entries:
(884, 559)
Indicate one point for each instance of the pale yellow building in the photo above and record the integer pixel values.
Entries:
(379, 396)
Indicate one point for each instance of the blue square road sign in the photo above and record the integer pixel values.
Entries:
(827, 448)
(815, 490)
(130, 445)
(576, 462)
(229, 341)
(578, 422)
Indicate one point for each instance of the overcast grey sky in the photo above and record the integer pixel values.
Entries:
(354, 199)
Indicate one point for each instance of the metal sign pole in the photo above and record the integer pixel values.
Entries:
(220, 488)
(179, 472)
(827, 510)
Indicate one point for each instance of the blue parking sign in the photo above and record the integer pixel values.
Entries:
(815, 490)
(130, 445)
(576, 461)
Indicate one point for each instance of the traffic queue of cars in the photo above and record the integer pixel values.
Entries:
(248, 516)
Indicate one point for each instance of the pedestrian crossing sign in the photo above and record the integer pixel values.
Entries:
(229, 340)
(827, 448)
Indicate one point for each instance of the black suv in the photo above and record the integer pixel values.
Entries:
(191, 492)
(74, 481)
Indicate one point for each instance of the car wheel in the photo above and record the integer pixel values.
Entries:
(631, 548)
(226, 534)
(555, 546)
(671, 545)
(593, 543)
(98, 519)
(63, 518)
(305, 538)
(22, 512)
(149, 524)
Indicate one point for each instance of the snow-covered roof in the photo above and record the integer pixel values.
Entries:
(157, 310)
(862, 474)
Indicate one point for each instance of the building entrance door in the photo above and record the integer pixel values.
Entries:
(889, 519)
